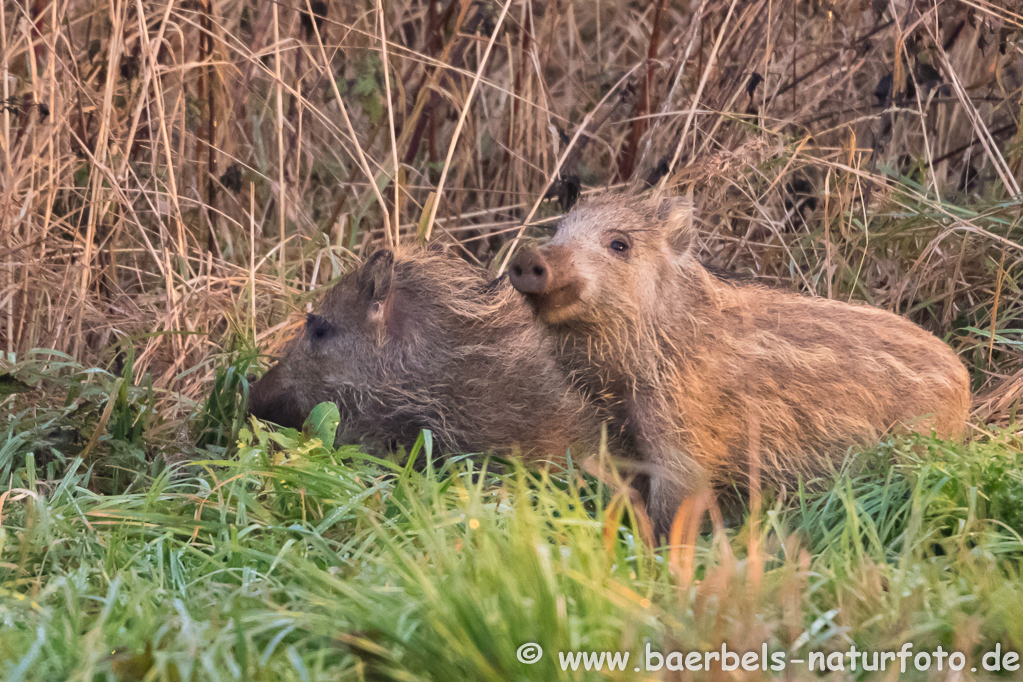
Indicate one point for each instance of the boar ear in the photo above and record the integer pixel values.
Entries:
(375, 284)
(677, 216)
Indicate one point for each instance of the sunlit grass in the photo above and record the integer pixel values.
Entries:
(280, 558)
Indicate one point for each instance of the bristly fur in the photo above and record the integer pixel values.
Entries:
(703, 376)
(424, 340)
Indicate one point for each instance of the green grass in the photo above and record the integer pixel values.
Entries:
(284, 559)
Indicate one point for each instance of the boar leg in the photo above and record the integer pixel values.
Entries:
(673, 475)
(667, 493)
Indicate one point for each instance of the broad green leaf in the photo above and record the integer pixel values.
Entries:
(322, 423)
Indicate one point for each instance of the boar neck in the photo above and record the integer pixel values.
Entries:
(639, 351)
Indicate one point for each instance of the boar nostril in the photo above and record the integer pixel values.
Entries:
(251, 378)
(529, 273)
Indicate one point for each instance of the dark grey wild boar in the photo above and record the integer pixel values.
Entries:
(415, 339)
(699, 374)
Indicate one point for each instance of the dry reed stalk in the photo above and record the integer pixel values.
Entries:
(390, 123)
(696, 96)
(466, 107)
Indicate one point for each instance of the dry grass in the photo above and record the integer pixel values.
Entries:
(183, 174)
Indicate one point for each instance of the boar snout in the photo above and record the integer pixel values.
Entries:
(529, 272)
(270, 401)
(548, 279)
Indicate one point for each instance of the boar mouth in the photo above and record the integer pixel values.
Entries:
(284, 408)
(555, 305)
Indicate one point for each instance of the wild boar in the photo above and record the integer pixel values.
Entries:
(415, 339)
(700, 374)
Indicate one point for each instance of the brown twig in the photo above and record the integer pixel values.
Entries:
(644, 99)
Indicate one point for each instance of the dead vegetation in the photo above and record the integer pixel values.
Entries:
(184, 173)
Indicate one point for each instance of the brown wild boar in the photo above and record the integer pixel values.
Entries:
(699, 374)
(414, 340)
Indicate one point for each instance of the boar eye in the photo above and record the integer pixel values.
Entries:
(619, 246)
(317, 327)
